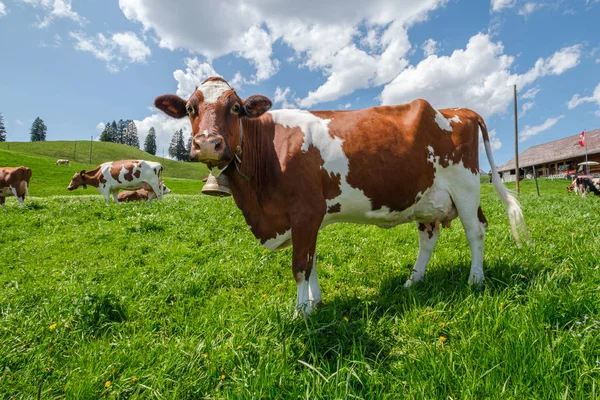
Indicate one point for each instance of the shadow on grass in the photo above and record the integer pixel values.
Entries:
(364, 326)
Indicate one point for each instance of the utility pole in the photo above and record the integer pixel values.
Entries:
(74, 150)
(516, 142)
(91, 141)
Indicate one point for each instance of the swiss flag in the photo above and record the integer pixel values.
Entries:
(582, 139)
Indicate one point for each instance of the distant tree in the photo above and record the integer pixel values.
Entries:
(105, 136)
(2, 130)
(114, 132)
(177, 146)
(121, 130)
(150, 143)
(130, 135)
(38, 130)
(188, 148)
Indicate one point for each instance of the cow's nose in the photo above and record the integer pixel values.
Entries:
(207, 148)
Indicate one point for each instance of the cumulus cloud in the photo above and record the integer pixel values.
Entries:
(195, 72)
(429, 47)
(577, 100)
(498, 5)
(55, 9)
(477, 77)
(530, 131)
(495, 143)
(164, 127)
(3, 11)
(325, 35)
(114, 50)
(100, 126)
(281, 97)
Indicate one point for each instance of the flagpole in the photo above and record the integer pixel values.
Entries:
(587, 167)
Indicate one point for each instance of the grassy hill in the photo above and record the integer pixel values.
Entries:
(49, 179)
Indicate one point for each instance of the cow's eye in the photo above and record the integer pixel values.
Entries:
(190, 109)
(235, 109)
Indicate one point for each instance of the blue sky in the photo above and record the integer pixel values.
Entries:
(76, 64)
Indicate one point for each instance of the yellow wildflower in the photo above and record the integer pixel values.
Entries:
(223, 377)
(567, 269)
(501, 305)
(443, 339)
(134, 379)
(52, 327)
(107, 384)
(345, 319)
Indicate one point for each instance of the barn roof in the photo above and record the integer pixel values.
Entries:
(558, 150)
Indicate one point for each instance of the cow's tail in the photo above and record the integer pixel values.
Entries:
(515, 214)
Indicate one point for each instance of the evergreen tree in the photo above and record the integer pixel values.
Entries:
(38, 130)
(177, 146)
(2, 130)
(105, 136)
(122, 130)
(114, 132)
(130, 135)
(150, 143)
(188, 149)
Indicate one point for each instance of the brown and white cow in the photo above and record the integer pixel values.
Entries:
(62, 162)
(140, 194)
(14, 181)
(292, 172)
(113, 176)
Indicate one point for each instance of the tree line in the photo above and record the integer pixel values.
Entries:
(37, 133)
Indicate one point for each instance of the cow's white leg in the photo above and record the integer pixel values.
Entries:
(15, 193)
(475, 224)
(309, 293)
(157, 190)
(150, 196)
(428, 236)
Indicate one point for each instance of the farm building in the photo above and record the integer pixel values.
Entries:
(557, 158)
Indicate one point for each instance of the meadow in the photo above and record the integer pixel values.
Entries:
(177, 300)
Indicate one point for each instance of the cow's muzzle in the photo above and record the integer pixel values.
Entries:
(208, 148)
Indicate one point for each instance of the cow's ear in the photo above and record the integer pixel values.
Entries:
(256, 105)
(173, 106)
(82, 172)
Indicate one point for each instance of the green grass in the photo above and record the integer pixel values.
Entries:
(48, 179)
(178, 300)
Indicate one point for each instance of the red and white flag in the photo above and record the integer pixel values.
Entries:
(582, 139)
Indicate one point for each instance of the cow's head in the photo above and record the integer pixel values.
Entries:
(165, 189)
(216, 112)
(78, 180)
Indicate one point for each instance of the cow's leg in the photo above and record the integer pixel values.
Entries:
(16, 194)
(475, 224)
(428, 236)
(150, 196)
(115, 196)
(157, 189)
(304, 240)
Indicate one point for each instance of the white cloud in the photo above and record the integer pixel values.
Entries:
(281, 97)
(100, 126)
(119, 48)
(429, 47)
(477, 77)
(530, 131)
(56, 9)
(495, 143)
(195, 72)
(18, 122)
(531, 93)
(324, 34)
(164, 127)
(498, 5)
(3, 11)
(525, 108)
(529, 8)
(577, 100)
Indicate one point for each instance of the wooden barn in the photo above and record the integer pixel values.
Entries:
(555, 159)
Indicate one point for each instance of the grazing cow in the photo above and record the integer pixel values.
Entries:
(112, 176)
(62, 162)
(584, 185)
(292, 172)
(14, 182)
(140, 194)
